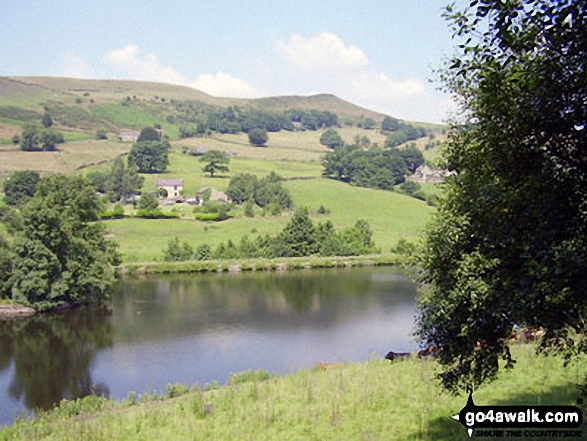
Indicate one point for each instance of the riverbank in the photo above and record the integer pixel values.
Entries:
(238, 265)
(375, 400)
(10, 311)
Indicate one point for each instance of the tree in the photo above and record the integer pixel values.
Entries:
(149, 134)
(298, 238)
(101, 134)
(148, 201)
(242, 187)
(60, 256)
(47, 121)
(32, 137)
(258, 137)
(509, 244)
(20, 187)
(412, 156)
(390, 124)
(122, 181)
(29, 140)
(216, 161)
(330, 138)
(149, 156)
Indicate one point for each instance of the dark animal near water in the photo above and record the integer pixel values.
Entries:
(392, 356)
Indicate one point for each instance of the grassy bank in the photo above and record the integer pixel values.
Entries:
(284, 263)
(375, 400)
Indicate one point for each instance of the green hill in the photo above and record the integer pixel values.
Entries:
(80, 107)
(87, 105)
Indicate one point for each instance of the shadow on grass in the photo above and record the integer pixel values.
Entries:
(445, 428)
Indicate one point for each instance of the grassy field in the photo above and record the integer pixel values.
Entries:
(392, 217)
(70, 157)
(366, 401)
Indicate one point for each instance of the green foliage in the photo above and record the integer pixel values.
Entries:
(117, 212)
(148, 201)
(101, 134)
(242, 187)
(258, 137)
(123, 182)
(177, 252)
(155, 214)
(20, 187)
(16, 139)
(19, 114)
(33, 139)
(203, 252)
(60, 255)
(213, 211)
(331, 138)
(216, 161)
(47, 121)
(412, 156)
(410, 187)
(264, 192)
(372, 168)
(508, 246)
(150, 156)
(5, 268)
(301, 238)
(149, 134)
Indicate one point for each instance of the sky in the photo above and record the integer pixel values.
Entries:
(379, 54)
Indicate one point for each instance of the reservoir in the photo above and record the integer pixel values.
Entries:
(201, 328)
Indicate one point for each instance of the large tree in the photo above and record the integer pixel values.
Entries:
(149, 156)
(60, 256)
(20, 186)
(509, 244)
(216, 161)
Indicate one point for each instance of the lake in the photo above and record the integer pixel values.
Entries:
(200, 329)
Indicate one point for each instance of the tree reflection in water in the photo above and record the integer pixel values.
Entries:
(53, 354)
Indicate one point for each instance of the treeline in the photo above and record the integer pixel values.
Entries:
(300, 238)
(245, 188)
(193, 121)
(375, 167)
(57, 255)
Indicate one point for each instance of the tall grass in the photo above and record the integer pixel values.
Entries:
(375, 400)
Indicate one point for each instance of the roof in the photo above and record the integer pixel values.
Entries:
(169, 182)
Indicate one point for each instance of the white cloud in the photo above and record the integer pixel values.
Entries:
(327, 63)
(223, 84)
(323, 52)
(75, 67)
(127, 61)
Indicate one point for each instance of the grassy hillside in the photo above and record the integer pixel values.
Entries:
(79, 107)
(371, 401)
(91, 104)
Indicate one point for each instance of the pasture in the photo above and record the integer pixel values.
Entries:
(374, 400)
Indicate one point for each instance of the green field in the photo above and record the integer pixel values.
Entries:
(367, 401)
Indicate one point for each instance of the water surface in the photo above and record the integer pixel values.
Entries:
(200, 328)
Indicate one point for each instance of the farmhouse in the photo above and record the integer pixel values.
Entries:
(215, 195)
(170, 188)
(129, 135)
(429, 174)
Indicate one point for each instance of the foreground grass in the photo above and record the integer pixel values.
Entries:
(372, 401)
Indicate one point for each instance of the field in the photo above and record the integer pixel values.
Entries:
(371, 401)
(392, 216)
(71, 156)
(295, 156)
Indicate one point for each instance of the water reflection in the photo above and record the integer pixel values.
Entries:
(52, 356)
(201, 328)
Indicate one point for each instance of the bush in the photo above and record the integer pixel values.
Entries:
(258, 137)
(116, 213)
(176, 252)
(155, 214)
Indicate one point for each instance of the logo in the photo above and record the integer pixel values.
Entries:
(559, 420)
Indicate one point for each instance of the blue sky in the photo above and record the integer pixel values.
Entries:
(377, 54)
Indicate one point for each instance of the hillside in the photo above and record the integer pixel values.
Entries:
(87, 105)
